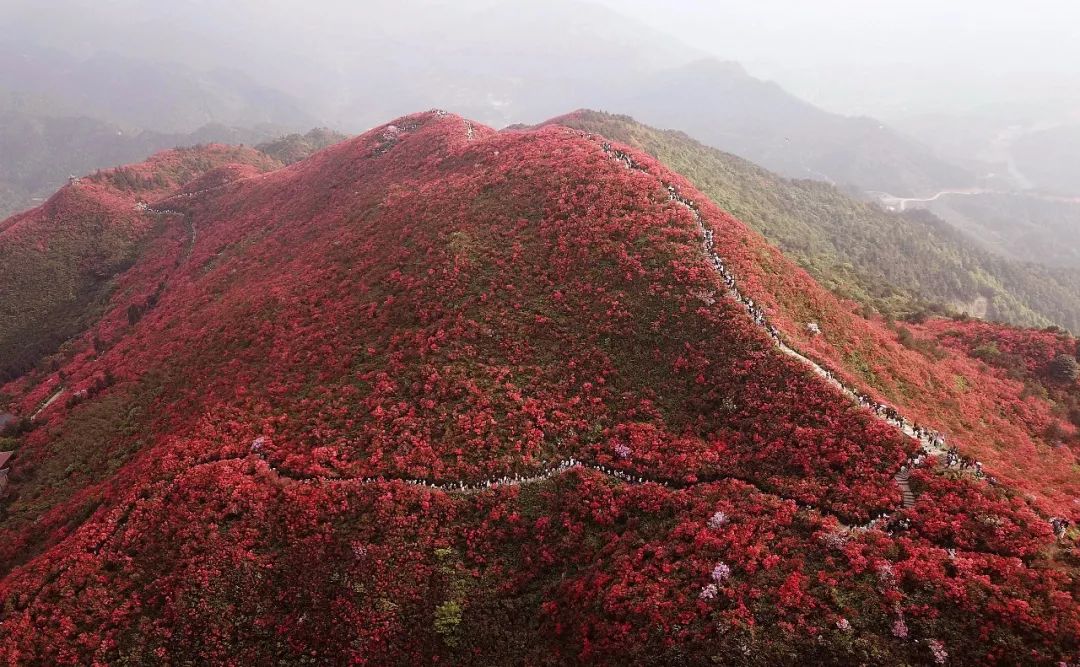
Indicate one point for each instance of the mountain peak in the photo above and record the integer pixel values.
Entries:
(511, 396)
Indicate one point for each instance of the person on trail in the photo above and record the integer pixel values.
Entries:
(1059, 526)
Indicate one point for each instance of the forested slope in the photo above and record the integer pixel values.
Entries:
(58, 261)
(899, 264)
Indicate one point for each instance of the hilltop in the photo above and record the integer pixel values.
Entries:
(441, 393)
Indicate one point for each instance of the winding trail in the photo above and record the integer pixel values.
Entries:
(901, 203)
(908, 495)
(895, 203)
(462, 487)
(930, 442)
(193, 232)
(52, 399)
(192, 236)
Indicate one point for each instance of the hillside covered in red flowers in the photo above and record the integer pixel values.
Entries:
(441, 394)
(58, 261)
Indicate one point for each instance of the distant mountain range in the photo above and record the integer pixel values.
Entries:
(723, 106)
(576, 391)
(136, 93)
(1050, 159)
(38, 151)
(1030, 226)
(501, 67)
(296, 147)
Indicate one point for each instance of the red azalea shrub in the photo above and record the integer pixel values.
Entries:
(438, 301)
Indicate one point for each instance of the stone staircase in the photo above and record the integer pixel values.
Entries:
(902, 478)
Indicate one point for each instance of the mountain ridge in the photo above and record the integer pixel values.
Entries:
(437, 299)
(898, 265)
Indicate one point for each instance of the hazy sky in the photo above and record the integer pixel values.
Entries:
(885, 58)
(839, 52)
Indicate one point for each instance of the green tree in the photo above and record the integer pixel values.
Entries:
(1064, 368)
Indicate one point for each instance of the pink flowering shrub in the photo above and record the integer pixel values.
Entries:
(721, 572)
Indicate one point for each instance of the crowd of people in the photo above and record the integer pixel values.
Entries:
(931, 441)
(258, 447)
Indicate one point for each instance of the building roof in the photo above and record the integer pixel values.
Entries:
(4, 456)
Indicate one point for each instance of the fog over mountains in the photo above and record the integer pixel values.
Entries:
(250, 70)
(354, 66)
(485, 332)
